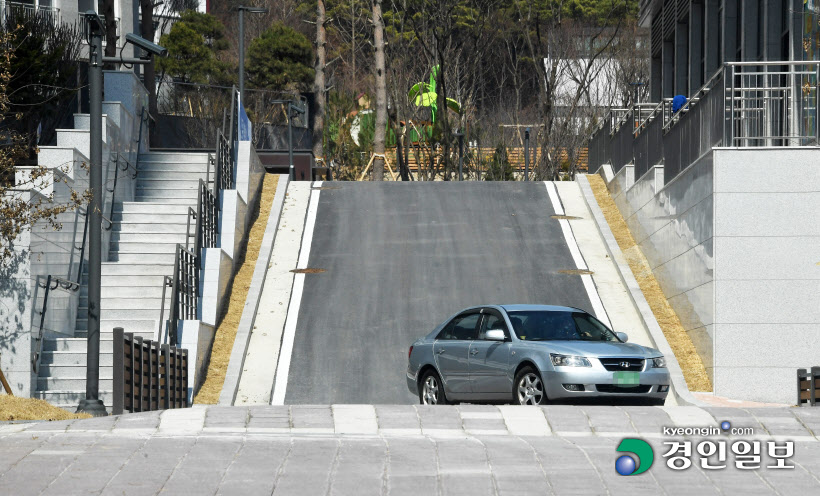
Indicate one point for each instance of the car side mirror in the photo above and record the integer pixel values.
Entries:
(494, 335)
(622, 336)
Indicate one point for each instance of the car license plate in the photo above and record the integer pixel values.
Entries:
(626, 379)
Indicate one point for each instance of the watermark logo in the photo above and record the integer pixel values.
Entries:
(627, 465)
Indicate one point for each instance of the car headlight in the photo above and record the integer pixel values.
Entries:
(659, 363)
(569, 361)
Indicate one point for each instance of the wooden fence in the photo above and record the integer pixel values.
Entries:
(514, 154)
(808, 386)
(147, 375)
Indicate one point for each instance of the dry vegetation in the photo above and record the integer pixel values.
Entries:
(226, 332)
(693, 370)
(14, 408)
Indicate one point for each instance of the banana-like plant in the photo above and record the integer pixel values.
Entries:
(424, 95)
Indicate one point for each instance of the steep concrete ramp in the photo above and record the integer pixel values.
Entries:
(398, 259)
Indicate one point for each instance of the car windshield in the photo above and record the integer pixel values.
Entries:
(559, 326)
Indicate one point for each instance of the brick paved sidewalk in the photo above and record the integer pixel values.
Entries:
(361, 450)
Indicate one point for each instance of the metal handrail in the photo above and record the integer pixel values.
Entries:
(184, 292)
(113, 189)
(690, 102)
(143, 119)
(184, 283)
(207, 219)
(52, 283)
(223, 175)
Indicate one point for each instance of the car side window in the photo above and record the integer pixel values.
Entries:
(492, 321)
(461, 327)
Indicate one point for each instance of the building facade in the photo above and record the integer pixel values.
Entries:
(717, 193)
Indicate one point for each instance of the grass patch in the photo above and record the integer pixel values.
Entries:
(693, 370)
(15, 408)
(226, 331)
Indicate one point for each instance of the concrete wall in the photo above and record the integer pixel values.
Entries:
(220, 264)
(673, 227)
(734, 245)
(767, 277)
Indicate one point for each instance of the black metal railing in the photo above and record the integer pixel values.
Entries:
(84, 24)
(184, 284)
(207, 219)
(51, 283)
(743, 104)
(120, 164)
(145, 116)
(223, 175)
(12, 10)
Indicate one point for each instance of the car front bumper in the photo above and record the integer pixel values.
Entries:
(650, 383)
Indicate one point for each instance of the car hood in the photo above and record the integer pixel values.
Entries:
(596, 348)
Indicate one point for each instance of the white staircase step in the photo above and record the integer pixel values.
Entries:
(175, 157)
(133, 282)
(60, 364)
(150, 208)
(157, 227)
(164, 183)
(150, 166)
(158, 258)
(173, 174)
(175, 200)
(142, 267)
(171, 195)
(157, 217)
(108, 304)
(79, 345)
(132, 291)
(128, 314)
(141, 327)
(154, 247)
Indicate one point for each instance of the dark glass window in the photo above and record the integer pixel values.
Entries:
(461, 327)
(492, 321)
(559, 326)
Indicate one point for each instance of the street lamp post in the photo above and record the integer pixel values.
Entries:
(527, 154)
(460, 136)
(92, 403)
(242, 9)
(293, 111)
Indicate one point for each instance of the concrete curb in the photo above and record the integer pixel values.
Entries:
(680, 390)
(243, 332)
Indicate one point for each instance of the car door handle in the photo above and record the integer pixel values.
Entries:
(474, 352)
(439, 352)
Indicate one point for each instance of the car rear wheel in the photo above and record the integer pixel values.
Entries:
(528, 388)
(431, 390)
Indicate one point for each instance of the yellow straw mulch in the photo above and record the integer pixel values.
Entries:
(15, 408)
(693, 370)
(226, 331)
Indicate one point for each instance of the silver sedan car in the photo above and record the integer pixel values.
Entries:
(529, 354)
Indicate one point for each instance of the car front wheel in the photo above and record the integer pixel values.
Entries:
(528, 388)
(431, 390)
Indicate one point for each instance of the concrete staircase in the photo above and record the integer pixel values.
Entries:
(143, 238)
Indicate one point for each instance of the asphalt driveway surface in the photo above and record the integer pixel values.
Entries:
(400, 258)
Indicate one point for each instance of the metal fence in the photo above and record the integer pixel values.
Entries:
(11, 10)
(744, 104)
(148, 376)
(772, 103)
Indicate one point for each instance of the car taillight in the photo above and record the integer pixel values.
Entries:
(409, 353)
